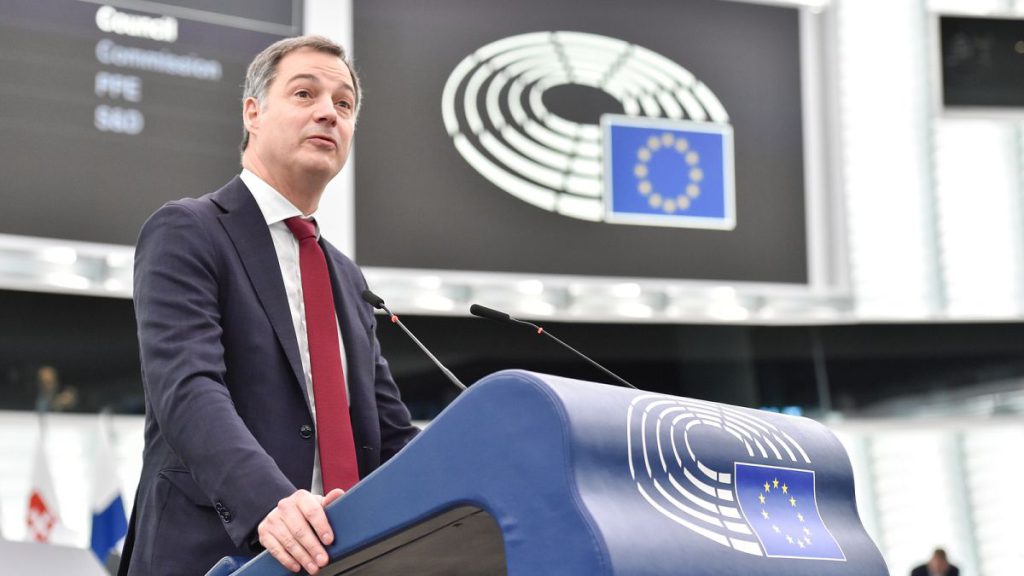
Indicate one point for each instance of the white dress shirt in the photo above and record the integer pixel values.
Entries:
(276, 209)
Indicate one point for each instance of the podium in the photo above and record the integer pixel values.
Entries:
(528, 474)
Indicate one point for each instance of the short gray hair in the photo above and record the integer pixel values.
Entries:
(263, 69)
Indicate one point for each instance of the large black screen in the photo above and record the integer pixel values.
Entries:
(108, 111)
(419, 204)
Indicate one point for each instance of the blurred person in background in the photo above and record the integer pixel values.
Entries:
(938, 566)
(49, 395)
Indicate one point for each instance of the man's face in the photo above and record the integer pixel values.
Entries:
(304, 126)
(938, 565)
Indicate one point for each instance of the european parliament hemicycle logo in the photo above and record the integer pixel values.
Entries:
(666, 161)
(763, 504)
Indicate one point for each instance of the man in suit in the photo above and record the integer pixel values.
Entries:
(247, 433)
(938, 566)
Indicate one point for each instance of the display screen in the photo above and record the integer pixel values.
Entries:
(982, 62)
(480, 145)
(109, 111)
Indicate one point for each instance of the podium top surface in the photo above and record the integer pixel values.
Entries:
(585, 478)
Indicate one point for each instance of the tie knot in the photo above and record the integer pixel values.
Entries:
(301, 227)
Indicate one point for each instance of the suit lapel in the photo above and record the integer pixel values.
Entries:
(245, 225)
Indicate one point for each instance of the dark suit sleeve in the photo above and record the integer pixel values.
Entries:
(396, 429)
(179, 321)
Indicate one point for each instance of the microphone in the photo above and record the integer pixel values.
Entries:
(499, 316)
(378, 303)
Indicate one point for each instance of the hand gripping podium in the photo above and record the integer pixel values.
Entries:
(527, 474)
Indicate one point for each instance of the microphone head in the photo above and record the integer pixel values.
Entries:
(489, 313)
(373, 300)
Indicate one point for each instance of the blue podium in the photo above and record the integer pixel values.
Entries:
(529, 474)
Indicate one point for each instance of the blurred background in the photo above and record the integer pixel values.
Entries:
(872, 279)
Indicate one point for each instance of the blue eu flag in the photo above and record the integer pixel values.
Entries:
(663, 172)
(779, 505)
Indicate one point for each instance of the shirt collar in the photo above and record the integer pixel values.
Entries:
(275, 207)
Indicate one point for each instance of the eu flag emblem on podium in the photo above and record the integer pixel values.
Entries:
(663, 172)
(781, 508)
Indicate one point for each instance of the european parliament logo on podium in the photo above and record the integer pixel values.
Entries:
(662, 172)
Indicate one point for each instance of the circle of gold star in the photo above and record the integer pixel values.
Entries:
(668, 203)
(801, 541)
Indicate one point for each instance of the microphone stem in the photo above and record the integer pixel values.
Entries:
(394, 318)
(613, 375)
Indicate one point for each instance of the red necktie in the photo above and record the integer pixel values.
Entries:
(333, 424)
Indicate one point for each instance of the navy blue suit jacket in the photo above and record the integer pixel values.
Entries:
(228, 428)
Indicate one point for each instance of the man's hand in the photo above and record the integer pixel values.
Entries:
(294, 532)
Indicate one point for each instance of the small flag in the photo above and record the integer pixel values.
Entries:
(780, 506)
(43, 512)
(663, 172)
(108, 518)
